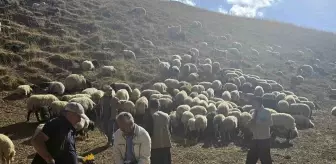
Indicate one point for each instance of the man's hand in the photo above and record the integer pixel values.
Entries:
(51, 161)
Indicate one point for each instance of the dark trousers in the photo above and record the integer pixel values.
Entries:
(161, 156)
(259, 149)
(110, 126)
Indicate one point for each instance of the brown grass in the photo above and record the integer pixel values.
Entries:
(102, 29)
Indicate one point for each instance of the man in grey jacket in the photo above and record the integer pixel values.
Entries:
(260, 126)
(160, 135)
(108, 113)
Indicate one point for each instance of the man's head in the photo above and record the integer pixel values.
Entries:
(74, 112)
(125, 122)
(256, 102)
(153, 105)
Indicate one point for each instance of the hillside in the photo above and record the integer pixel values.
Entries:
(49, 44)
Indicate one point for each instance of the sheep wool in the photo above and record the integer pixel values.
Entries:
(200, 122)
(122, 94)
(161, 87)
(198, 110)
(107, 70)
(259, 91)
(211, 108)
(25, 90)
(300, 109)
(226, 96)
(245, 117)
(283, 120)
(229, 123)
(56, 107)
(223, 108)
(186, 116)
(141, 105)
(56, 87)
(126, 106)
(96, 96)
(75, 82)
(87, 65)
(230, 87)
(303, 121)
(86, 102)
(89, 91)
(283, 106)
(7, 149)
(40, 100)
(69, 97)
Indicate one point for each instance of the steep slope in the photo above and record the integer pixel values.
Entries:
(49, 44)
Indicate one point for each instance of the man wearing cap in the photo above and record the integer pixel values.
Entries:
(108, 112)
(55, 143)
(260, 125)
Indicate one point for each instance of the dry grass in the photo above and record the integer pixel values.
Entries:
(54, 46)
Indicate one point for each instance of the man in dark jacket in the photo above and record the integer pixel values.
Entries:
(160, 134)
(55, 143)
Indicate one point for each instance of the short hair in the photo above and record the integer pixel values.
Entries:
(154, 104)
(126, 115)
(258, 99)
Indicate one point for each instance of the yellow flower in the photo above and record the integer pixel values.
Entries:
(89, 157)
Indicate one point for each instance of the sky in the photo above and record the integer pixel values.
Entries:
(316, 14)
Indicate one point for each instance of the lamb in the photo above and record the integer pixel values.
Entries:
(161, 87)
(230, 87)
(7, 149)
(128, 54)
(69, 97)
(198, 110)
(35, 102)
(226, 96)
(135, 95)
(75, 82)
(84, 126)
(56, 107)
(118, 86)
(87, 65)
(22, 90)
(107, 70)
(122, 94)
(228, 128)
(259, 91)
(300, 109)
(303, 121)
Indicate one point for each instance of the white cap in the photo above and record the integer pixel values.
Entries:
(76, 108)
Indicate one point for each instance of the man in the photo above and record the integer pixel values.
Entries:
(55, 143)
(161, 141)
(108, 112)
(260, 126)
(132, 144)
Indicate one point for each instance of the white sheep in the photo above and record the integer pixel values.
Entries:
(290, 99)
(210, 92)
(56, 107)
(35, 102)
(195, 51)
(69, 97)
(211, 108)
(259, 91)
(165, 104)
(303, 121)
(161, 87)
(216, 85)
(148, 92)
(128, 54)
(86, 102)
(89, 91)
(119, 86)
(7, 149)
(197, 88)
(148, 43)
(176, 62)
(25, 90)
(230, 87)
(180, 97)
(186, 116)
(202, 97)
(215, 67)
(135, 95)
(228, 128)
(283, 106)
(284, 126)
(235, 97)
(305, 70)
(186, 58)
(87, 65)
(205, 84)
(226, 95)
(108, 70)
(201, 123)
(172, 83)
(122, 94)
(96, 96)
(56, 87)
(75, 82)
(198, 110)
(223, 108)
(300, 109)
(176, 57)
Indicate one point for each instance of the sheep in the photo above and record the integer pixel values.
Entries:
(223, 108)
(259, 91)
(206, 69)
(161, 87)
(128, 54)
(118, 86)
(283, 126)
(198, 110)
(210, 92)
(230, 87)
(126, 106)
(84, 126)
(69, 97)
(165, 104)
(201, 123)
(176, 62)
(202, 97)
(235, 96)
(75, 82)
(195, 51)
(141, 105)
(186, 58)
(89, 91)
(296, 80)
(172, 83)
(148, 92)
(197, 88)
(122, 94)
(186, 115)
(87, 65)
(193, 68)
(290, 99)
(276, 87)
(226, 96)
(176, 57)
(56, 107)
(283, 106)
(205, 84)
(196, 24)
(139, 11)
(243, 122)
(303, 122)
(333, 111)
(228, 128)
(86, 102)
(107, 70)
(96, 96)
(35, 102)
(21, 90)
(211, 108)
(55, 87)
(247, 88)
(300, 109)
(174, 31)
(191, 130)
(310, 104)
(7, 149)
(305, 70)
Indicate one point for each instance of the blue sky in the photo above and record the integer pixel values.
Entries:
(317, 14)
